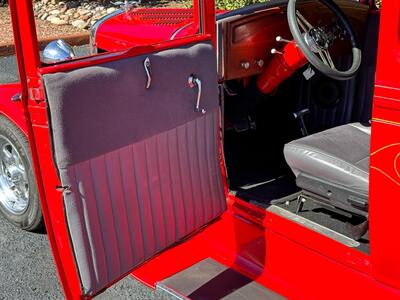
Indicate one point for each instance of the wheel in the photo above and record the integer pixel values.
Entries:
(19, 200)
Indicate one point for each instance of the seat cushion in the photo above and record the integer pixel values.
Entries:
(339, 155)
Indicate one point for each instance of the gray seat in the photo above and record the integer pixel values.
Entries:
(333, 166)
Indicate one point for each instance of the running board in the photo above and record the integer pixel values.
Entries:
(341, 238)
(209, 279)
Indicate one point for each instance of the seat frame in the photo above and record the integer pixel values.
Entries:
(333, 196)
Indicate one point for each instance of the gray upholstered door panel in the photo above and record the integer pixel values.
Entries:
(142, 164)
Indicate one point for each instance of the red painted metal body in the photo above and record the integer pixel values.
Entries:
(281, 67)
(284, 256)
(142, 26)
(12, 110)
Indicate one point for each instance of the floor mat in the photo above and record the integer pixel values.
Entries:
(265, 192)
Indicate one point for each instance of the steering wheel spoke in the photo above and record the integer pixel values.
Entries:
(327, 59)
(303, 23)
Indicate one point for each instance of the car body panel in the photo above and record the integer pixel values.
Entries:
(12, 110)
(268, 256)
(141, 27)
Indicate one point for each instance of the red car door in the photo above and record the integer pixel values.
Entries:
(137, 159)
(134, 141)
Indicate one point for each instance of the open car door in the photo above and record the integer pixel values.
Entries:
(134, 140)
(137, 161)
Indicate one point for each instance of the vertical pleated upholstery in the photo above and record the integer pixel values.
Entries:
(142, 165)
(131, 203)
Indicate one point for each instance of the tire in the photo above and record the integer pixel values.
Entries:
(19, 200)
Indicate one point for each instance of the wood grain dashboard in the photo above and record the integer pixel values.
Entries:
(248, 40)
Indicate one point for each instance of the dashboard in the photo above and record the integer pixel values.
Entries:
(246, 41)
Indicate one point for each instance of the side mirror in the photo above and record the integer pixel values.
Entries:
(57, 51)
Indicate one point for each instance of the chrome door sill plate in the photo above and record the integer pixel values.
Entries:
(209, 279)
(314, 226)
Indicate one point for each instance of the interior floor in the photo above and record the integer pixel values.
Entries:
(256, 167)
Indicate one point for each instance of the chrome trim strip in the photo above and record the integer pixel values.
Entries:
(173, 36)
(201, 17)
(349, 242)
(220, 51)
(160, 287)
(96, 26)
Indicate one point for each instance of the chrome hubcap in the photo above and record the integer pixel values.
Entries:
(14, 186)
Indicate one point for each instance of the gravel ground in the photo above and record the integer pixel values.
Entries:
(27, 270)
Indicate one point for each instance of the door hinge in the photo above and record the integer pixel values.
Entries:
(63, 189)
(37, 94)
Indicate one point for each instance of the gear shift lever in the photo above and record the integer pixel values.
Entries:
(300, 117)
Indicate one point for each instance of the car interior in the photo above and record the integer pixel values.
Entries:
(302, 148)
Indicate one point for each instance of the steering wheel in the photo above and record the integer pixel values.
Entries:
(315, 42)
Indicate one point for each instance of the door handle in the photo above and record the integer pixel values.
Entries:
(194, 82)
(17, 97)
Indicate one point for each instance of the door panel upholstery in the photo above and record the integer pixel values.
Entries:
(142, 165)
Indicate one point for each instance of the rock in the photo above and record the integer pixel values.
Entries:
(72, 4)
(83, 11)
(85, 18)
(51, 17)
(70, 12)
(58, 21)
(63, 9)
(54, 12)
(44, 16)
(111, 10)
(79, 24)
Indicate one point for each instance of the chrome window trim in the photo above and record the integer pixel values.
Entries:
(201, 17)
(95, 27)
(173, 36)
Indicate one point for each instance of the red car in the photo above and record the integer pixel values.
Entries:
(248, 155)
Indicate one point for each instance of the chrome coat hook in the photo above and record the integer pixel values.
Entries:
(147, 68)
(194, 82)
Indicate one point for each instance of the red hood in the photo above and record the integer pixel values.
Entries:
(142, 26)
